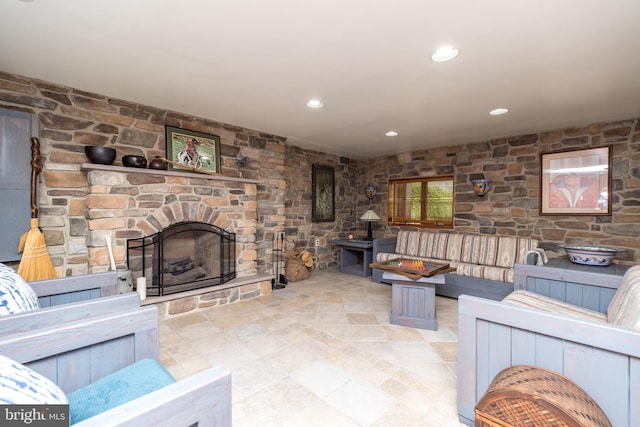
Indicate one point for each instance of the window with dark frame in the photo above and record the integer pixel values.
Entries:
(422, 202)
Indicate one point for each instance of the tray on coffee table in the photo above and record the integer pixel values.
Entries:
(412, 268)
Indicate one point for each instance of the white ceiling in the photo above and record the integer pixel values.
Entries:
(255, 63)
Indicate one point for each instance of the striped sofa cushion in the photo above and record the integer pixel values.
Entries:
(504, 251)
(624, 308)
(412, 243)
(494, 251)
(498, 274)
(540, 302)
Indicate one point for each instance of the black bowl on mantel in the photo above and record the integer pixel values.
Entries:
(100, 155)
(132, 161)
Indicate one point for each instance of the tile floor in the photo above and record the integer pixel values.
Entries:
(321, 352)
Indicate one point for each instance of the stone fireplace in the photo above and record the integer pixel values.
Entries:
(129, 204)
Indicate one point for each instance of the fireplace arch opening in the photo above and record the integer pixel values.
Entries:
(182, 257)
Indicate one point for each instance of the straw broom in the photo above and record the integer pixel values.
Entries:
(35, 263)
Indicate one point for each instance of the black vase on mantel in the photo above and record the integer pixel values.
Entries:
(157, 163)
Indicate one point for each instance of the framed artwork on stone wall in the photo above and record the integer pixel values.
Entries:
(322, 194)
(192, 151)
(576, 182)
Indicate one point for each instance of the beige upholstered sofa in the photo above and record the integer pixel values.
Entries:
(484, 263)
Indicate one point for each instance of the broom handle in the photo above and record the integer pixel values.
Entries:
(35, 171)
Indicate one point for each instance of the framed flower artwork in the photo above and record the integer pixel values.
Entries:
(576, 182)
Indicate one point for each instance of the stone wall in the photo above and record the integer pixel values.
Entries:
(70, 119)
(512, 206)
(300, 229)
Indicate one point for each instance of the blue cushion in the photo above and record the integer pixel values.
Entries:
(16, 295)
(23, 386)
(127, 384)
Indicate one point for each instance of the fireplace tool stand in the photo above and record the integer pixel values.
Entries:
(277, 261)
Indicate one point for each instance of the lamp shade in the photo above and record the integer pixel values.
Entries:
(370, 215)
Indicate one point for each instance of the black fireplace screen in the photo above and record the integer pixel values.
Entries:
(183, 257)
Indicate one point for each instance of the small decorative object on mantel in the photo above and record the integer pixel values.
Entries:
(481, 186)
(240, 164)
(351, 236)
(100, 155)
(132, 161)
(157, 163)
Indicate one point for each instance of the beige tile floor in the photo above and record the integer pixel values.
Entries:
(321, 352)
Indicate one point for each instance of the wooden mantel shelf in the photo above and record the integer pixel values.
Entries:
(123, 169)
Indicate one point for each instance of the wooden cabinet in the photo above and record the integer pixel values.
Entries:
(590, 287)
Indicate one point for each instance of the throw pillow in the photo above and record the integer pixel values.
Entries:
(23, 386)
(624, 308)
(16, 296)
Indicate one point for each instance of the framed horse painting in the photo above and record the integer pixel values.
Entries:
(188, 150)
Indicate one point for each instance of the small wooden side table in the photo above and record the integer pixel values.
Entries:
(355, 256)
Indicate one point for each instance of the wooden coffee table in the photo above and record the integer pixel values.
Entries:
(413, 293)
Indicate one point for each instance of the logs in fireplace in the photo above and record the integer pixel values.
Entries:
(185, 269)
(183, 257)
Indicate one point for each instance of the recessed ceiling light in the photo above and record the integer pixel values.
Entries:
(499, 111)
(392, 133)
(444, 54)
(314, 103)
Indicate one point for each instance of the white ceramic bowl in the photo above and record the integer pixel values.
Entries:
(591, 255)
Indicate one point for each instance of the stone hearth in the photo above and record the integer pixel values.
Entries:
(239, 289)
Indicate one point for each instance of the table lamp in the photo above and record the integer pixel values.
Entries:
(369, 216)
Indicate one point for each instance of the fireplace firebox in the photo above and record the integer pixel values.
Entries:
(183, 257)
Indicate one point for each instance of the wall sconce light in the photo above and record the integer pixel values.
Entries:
(481, 186)
(370, 191)
(369, 216)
